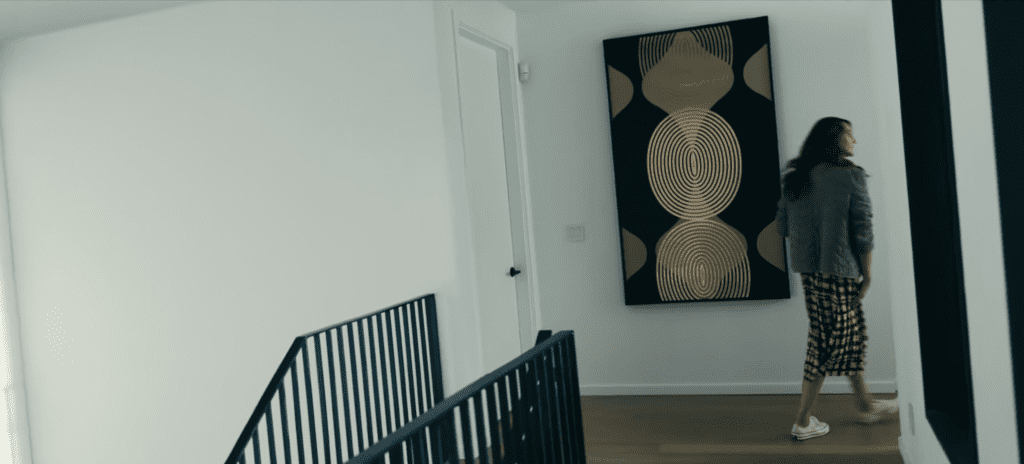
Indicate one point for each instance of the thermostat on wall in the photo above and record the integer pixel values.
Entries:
(576, 233)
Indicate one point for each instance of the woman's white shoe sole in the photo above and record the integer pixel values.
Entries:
(879, 408)
(811, 430)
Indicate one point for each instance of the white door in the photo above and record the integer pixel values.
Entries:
(485, 138)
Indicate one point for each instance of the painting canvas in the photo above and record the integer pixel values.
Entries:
(696, 157)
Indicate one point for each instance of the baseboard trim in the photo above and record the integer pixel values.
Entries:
(904, 452)
(832, 385)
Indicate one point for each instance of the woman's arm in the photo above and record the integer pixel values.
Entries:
(865, 265)
(862, 237)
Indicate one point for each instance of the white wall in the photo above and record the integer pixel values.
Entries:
(15, 445)
(193, 188)
(136, 147)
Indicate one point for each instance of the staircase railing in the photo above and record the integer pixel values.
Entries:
(541, 386)
(411, 356)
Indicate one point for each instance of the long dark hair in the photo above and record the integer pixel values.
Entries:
(820, 147)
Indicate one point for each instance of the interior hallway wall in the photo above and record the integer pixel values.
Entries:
(192, 188)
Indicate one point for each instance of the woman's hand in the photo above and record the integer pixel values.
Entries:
(865, 282)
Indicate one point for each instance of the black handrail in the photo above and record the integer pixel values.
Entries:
(416, 381)
(552, 431)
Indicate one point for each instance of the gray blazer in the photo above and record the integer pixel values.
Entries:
(830, 226)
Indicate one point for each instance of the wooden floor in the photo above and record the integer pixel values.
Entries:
(733, 429)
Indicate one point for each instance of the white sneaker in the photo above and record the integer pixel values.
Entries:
(879, 408)
(815, 428)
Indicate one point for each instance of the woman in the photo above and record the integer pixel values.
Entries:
(826, 213)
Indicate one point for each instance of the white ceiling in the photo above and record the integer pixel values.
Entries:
(20, 18)
(534, 6)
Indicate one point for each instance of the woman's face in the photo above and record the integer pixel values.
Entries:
(846, 140)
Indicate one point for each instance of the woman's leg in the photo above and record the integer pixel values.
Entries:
(861, 393)
(809, 394)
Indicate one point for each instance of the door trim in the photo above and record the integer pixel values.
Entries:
(519, 212)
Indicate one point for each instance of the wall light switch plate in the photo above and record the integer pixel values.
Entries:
(576, 233)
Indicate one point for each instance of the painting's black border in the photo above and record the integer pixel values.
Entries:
(611, 116)
(1005, 48)
(702, 26)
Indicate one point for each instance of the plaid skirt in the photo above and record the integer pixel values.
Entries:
(838, 337)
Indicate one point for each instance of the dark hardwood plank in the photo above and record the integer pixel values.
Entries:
(732, 429)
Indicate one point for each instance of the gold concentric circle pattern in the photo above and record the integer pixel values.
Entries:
(694, 163)
(702, 260)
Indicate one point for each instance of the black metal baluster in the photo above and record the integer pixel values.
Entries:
(534, 432)
(553, 412)
(373, 369)
(492, 421)
(298, 415)
(256, 445)
(309, 403)
(434, 440)
(414, 361)
(505, 422)
(241, 457)
(467, 437)
(403, 384)
(424, 437)
(519, 417)
(419, 353)
(284, 423)
(500, 437)
(564, 411)
(435, 352)
(343, 364)
(415, 329)
(574, 395)
(571, 398)
(334, 393)
(547, 418)
(392, 362)
(395, 454)
(436, 377)
(408, 365)
(366, 387)
(478, 413)
(414, 448)
(384, 372)
(546, 407)
(358, 427)
(270, 433)
(323, 400)
(544, 399)
(446, 446)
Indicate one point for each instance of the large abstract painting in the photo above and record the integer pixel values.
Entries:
(696, 156)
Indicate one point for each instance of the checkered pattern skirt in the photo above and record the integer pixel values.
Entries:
(838, 337)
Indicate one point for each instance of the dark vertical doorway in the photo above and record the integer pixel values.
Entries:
(935, 228)
(1005, 43)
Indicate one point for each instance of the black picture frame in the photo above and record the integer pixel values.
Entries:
(696, 158)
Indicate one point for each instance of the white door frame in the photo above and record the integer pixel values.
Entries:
(519, 214)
